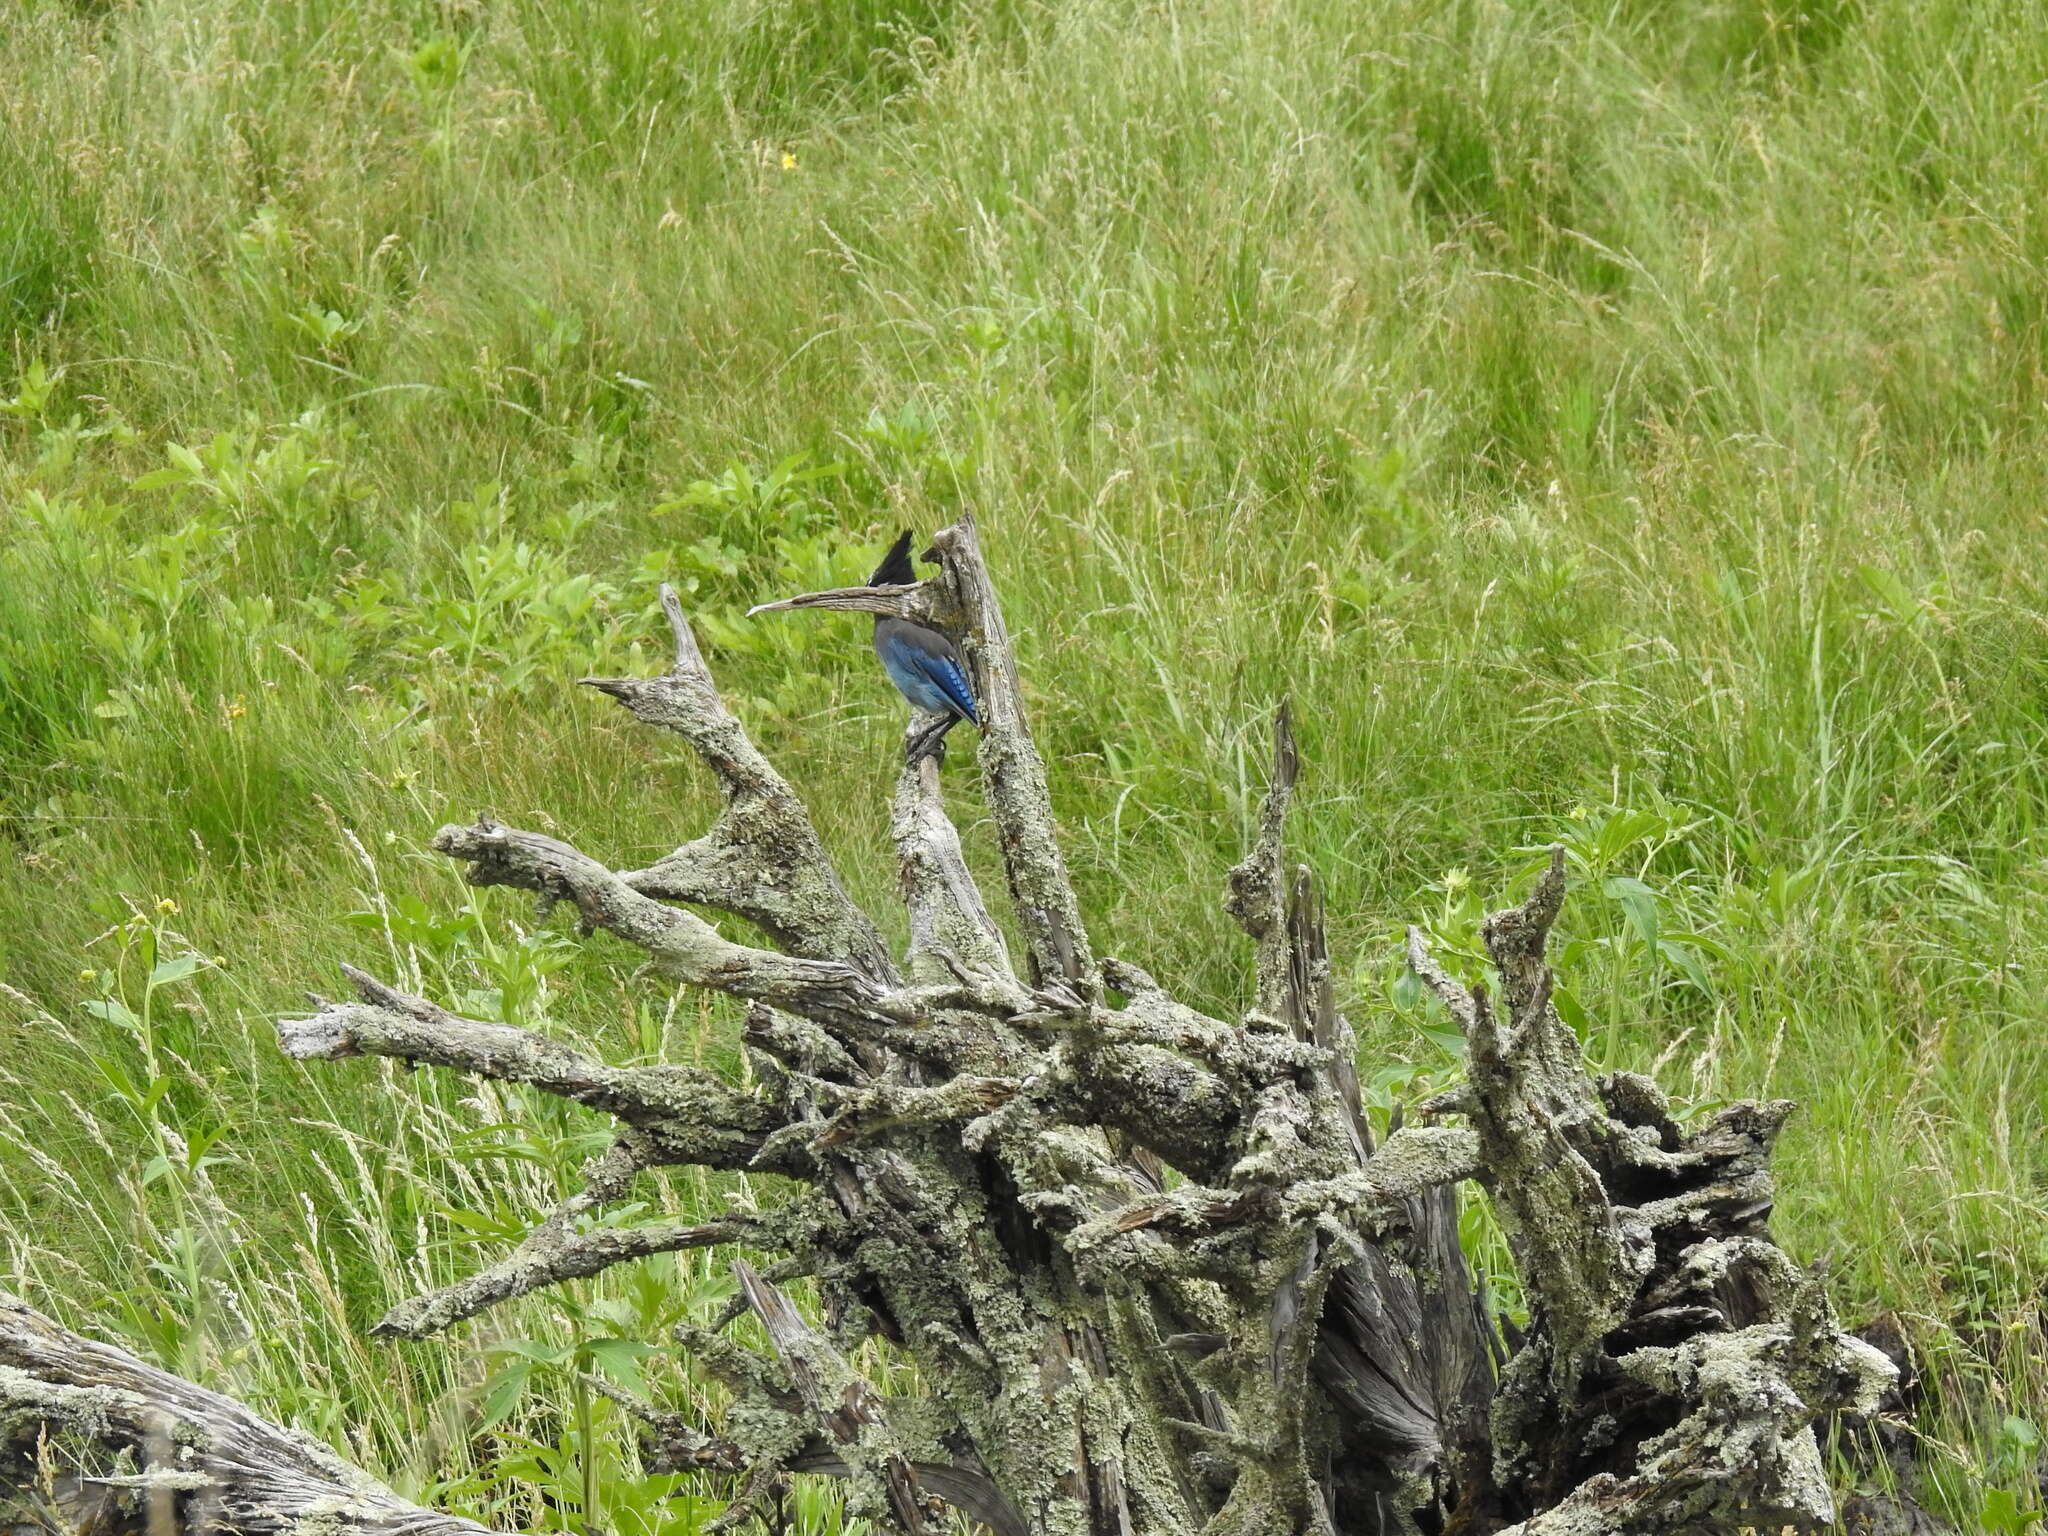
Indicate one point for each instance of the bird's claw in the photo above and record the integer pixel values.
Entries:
(930, 744)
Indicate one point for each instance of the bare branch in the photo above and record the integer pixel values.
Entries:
(1257, 894)
(1578, 1256)
(1414, 1161)
(889, 1106)
(680, 943)
(917, 602)
(562, 1256)
(1515, 938)
(556, 1251)
(1285, 920)
(1157, 1098)
(762, 859)
(1456, 1000)
(689, 1115)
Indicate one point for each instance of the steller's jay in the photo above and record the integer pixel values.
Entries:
(920, 661)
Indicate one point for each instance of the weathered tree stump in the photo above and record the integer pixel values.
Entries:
(1156, 1272)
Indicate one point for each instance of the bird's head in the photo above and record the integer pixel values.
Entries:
(895, 569)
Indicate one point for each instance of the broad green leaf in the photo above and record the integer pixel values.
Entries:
(1638, 904)
(1889, 590)
(1407, 989)
(176, 968)
(113, 1010)
(1571, 1011)
(620, 1359)
(506, 1388)
(486, 1225)
(1999, 1511)
(1689, 962)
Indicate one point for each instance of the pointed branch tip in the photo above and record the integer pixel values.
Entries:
(689, 658)
(894, 602)
(1286, 755)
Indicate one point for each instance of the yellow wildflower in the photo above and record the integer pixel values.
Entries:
(788, 161)
(88, 975)
(165, 905)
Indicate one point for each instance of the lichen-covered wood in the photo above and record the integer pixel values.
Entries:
(1158, 1274)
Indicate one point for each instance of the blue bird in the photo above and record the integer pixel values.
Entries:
(921, 662)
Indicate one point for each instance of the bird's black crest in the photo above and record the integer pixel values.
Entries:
(895, 569)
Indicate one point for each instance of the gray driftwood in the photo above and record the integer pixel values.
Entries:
(1157, 1273)
(96, 1441)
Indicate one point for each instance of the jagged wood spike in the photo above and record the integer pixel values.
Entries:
(1041, 891)
(845, 1402)
(1256, 892)
(762, 859)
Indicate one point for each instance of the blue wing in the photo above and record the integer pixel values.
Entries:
(945, 672)
(925, 668)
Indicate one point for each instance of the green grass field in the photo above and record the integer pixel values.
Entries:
(1611, 423)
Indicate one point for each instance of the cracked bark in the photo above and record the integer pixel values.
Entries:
(1156, 1272)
